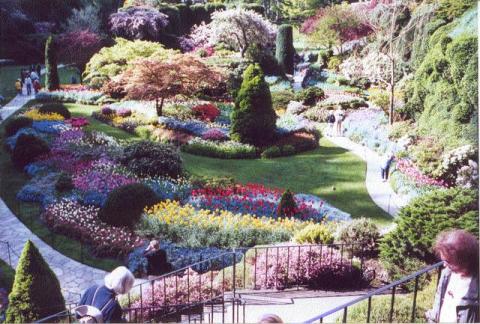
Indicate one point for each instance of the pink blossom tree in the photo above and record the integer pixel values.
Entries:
(77, 47)
(238, 28)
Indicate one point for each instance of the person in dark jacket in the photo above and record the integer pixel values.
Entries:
(457, 297)
(99, 302)
(157, 259)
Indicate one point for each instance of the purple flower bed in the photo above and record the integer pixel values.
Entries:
(103, 182)
(50, 127)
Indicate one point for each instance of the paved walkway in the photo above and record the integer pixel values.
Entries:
(380, 192)
(74, 277)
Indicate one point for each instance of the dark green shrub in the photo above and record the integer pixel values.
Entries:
(147, 158)
(221, 150)
(27, 149)
(363, 234)
(409, 245)
(57, 108)
(310, 96)
(257, 53)
(199, 14)
(314, 234)
(254, 7)
(281, 99)
(13, 125)
(174, 22)
(64, 183)
(253, 119)
(287, 207)
(52, 81)
(271, 152)
(288, 150)
(324, 56)
(235, 78)
(284, 51)
(36, 291)
(125, 204)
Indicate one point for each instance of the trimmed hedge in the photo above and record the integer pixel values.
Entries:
(125, 204)
(57, 108)
(27, 149)
(52, 81)
(36, 291)
(13, 125)
(285, 51)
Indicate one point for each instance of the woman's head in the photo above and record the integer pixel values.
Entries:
(459, 250)
(120, 280)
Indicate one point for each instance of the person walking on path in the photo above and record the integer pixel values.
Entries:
(99, 303)
(36, 86)
(339, 117)
(331, 123)
(18, 86)
(387, 160)
(457, 296)
(34, 76)
(28, 84)
(39, 69)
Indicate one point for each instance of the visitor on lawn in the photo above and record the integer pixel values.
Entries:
(457, 297)
(339, 118)
(157, 263)
(331, 122)
(385, 166)
(99, 303)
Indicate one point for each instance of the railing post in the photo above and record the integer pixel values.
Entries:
(390, 316)
(344, 320)
(369, 309)
(234, 272)
(255, 271)
(9, 255)
(414, 299)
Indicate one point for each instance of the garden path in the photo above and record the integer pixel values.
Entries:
(74, 277)
(381, 192)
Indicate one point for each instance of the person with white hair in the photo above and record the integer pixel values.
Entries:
(99, 303)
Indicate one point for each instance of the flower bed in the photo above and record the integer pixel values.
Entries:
(221, 150)
(74, 96)
(406, 167)
(82, 222)
(190, 227)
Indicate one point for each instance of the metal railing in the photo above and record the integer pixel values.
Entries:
(393, 287)
(264, 267)
(7, 252)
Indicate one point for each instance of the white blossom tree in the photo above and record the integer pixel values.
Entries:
(237, 28)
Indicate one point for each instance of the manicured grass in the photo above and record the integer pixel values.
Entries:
(11, 181)
(317, 172)
(7, 275)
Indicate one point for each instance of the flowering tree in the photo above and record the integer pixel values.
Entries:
(238, 28)
(151, 79)
(86, 18)
(335, 25)
(78, 47)
(138, 23)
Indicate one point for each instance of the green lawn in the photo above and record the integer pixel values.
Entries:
(11, 181)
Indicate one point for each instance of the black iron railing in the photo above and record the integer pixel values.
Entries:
(264, 267)
(7, 252)
(381, 291)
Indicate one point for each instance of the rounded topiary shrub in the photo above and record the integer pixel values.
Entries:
(13, 125)
(147, 158)
(125, 204)
(57, 108)
(315, 234)
(362, 234)
(310, 96)
(410, 244)
(27, 149)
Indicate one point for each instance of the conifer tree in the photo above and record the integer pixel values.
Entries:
(52, 81)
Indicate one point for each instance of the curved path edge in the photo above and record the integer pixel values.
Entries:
(381, 192)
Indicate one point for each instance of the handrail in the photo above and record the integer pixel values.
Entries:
(375, 292)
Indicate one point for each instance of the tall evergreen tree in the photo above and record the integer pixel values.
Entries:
(36, 291)
(253, 119)
(52, 82)
(285, 51)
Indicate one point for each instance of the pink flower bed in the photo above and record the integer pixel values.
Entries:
(158, 299)
(407, 167)
(214, 134)
(82, 222)
(104, 182)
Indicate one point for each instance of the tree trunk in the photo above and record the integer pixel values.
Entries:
(159, 107)
(392, 91)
